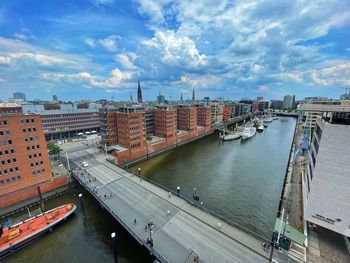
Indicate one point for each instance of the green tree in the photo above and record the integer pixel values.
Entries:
(53, 149)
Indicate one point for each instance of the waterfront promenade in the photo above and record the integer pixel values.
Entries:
(181, 230)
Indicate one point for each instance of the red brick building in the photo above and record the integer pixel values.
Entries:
(226, 113)
(165, 121)
(24, 159)
(187, 119)
(204, 117)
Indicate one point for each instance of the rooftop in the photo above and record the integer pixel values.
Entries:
(328, 201)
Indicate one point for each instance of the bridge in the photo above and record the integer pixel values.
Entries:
(180, 229)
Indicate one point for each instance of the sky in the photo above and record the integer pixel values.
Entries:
(96, 49)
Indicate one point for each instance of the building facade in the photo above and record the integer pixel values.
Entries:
(288, 102)
(62, 121)
(165, 124)
(187, 118)
(24, 159)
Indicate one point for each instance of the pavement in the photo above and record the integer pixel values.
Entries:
(180, 230)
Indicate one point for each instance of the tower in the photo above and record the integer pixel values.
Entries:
(131, 98)
(139, 93)
(193, 95)
(181, 99)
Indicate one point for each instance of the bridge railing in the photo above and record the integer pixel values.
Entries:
(192, 202)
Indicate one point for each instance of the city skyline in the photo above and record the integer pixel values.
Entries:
(100, 49)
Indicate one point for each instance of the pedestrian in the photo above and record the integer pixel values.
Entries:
(105, 196)
(135, 221)
(145, 228)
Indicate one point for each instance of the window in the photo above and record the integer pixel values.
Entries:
(29, 129)
(30, 156)
(0, 153)
(27, 120)
(11, 170)
(12, 151)
(10, 141)
(33, 147)
(16, 169)
(8, 161)
(3, 143)
(38, 146)
(34, 173)
(3, 162)
(32, 164)
(6, 152)
(5, 171)
(32, 120)
(14, 160)
(23, 130)
(34, 129)
(34, 155)
(39, 154)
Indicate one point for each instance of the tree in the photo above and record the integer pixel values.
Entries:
(53, 148)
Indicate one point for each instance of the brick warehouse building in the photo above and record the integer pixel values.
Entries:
(24, 161)
(23, 152)
(204, 117)
(187, 119)
(165, 120)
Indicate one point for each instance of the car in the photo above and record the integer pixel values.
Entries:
(84, 164)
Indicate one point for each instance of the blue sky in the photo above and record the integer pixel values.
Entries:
(232, 49)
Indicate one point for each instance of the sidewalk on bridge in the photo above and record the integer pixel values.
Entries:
(233, 232)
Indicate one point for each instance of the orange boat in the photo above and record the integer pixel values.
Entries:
(18, 235)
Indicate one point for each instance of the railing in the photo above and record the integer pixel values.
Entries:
(223, 219)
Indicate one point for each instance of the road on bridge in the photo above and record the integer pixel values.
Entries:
(180, 230)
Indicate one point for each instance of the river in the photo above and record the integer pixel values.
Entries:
(241, 181)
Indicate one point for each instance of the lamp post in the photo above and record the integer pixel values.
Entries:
(82, 204)
(178, 190)
(114, 247)
(139, 170)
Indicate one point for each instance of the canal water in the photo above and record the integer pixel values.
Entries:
(76, 241)
(240, 180)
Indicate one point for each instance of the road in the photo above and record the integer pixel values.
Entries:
(180, 230)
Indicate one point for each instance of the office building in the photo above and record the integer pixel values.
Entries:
(160, 98)
(19, 96)
(326, 179)
(62, 121)
(288, 102)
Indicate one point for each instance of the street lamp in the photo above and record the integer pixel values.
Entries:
(178, 190)
(139, 169)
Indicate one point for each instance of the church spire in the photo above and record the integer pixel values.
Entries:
(193, 95)
(139, 92)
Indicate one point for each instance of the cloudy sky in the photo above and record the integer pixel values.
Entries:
(231, 49)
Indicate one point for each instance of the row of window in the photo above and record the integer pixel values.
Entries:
(4, 142)
(27, 121)
(68, 115)
(70, 119)
(30, 156)
(38, 172)
(3, 122)
(4, 132)
(33, 147)
(36, 163)
(12, 179)
(27, 139)
(3, 162)
(6, 152)
(10, 170)
(29, 130)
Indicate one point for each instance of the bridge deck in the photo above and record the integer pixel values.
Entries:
(177, 236)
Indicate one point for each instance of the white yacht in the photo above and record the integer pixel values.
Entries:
(231, 136)
(260, 127)
(268, 119)
(248, 132)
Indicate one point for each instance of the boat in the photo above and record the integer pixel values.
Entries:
(268, 119)
(260, 127)
(231, 136)
(18, 235)
(248, 132)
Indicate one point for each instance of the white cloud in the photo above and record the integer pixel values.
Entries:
(338, 74)
(20, 36)
(263, 89)
(5, 60)
(109, 43)
(90, 42)
(116, 79)
(125, 61)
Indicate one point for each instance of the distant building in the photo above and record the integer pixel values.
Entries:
(19, 95)
(259, 98)
(62, 121)
(346, 95)
(217, 110)
(55, 98)
(276, 104)
(288, 102)
(160, 98)
(193, 95)
(23, 152)
(139, 92)
(204, 117)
